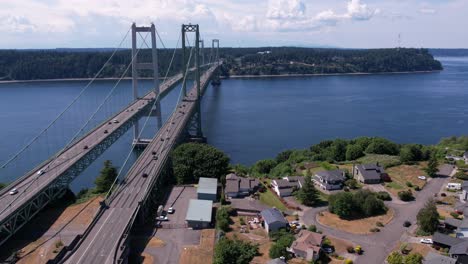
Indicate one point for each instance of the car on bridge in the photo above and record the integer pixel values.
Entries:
(40, 172)
(13, 191)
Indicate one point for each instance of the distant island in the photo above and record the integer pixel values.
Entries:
(85, 63)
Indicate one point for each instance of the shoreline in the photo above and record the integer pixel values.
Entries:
(230, 77)
(324, 74)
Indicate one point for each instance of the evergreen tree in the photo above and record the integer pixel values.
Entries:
(432, 165)
(106, 177)
(428, 217)
(234, 251)
(308, 195)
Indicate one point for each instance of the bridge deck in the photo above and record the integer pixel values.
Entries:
(31, 184)
(100, 244)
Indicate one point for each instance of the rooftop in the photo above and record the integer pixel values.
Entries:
(371, 171)
(445, 169)
(199, 210)
(434, 258)
(445, 239)
(306, 239)
(273, 215)
(207, 185)
(460, 248)
(332, 175)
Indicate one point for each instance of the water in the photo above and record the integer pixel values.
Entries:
(252, 119)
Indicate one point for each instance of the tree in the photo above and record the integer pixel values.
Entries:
(283, 156)
(354, 152)
(414, 258)
(222, 218)
(341, 204)
(106, 177)
(373, 206)
(338, 150)
(432, 165)
(234, 251)
(308, 195)
(406, 195)
(428, 217)
(194, 160)
(382, 146)
(264, 166)
(351, 183)
(410, 152)
(395, 258)
(278, 249)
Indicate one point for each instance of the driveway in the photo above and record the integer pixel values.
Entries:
(377, 246)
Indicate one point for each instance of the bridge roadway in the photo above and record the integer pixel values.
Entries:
(101, 243)
(31, 184)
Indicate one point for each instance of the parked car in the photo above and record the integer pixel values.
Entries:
(426, 241)
(328, 250)
(422, 178)
(163, 218)
(407, 223)
(170, 210)
(443, 194)
(13, 191)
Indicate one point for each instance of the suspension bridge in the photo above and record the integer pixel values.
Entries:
(131, 195)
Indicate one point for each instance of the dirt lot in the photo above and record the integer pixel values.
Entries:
(360, 226)
(402, 174)
(417, 248)
(202, 253)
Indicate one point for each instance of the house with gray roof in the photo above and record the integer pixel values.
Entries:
(445, 241)
(273, 219)
(462, 230)
(370, 173)
(199, 213)
(434, 258)
(284, 187)
(330, 180)
(207, 188)
(460, 252)
(239, 186)
(452, 223)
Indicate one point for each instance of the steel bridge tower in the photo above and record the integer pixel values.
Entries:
(215, 53)
(153, 66)
(194, 128)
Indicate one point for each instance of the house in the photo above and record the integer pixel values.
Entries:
(452, 223)
(330, 180)
(445, 241)
(207, 188)
(434, 258)
(462, 230)
(273, 219)
(445, 170)
(465, 157)
(199, 213)
(460, 252)
(239, 186)
(370, 173)
(284, 187)
(307, 245)
(464, 191)
(297, 181)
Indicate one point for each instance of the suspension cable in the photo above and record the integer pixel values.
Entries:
(69, 106)
(145, 123)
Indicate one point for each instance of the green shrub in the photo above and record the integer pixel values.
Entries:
(406, 195)
(409, 184)
(384, 196)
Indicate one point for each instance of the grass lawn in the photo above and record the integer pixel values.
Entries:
(359, 226)
(385, 160)
(270, 199)
(402, 174)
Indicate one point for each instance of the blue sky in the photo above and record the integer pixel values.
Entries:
(337, 23)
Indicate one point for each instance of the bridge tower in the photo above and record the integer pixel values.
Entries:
(152, 66)
(215, 54)
(194, 128)
(202, 52)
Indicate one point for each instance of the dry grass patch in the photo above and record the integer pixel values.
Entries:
(359, 226)
(444, 212)
(340, 245)
(417, 248)
(202, 253)
(156, 243)
(402, 174)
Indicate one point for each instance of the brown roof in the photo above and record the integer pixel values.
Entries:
(306, 239)
(232, 186)
(234, 183)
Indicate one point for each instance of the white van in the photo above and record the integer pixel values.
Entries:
(453, 186)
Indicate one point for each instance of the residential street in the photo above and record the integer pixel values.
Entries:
(377, 246)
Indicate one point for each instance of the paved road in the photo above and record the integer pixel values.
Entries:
(31, 184)
(377, 246)
(100, 245)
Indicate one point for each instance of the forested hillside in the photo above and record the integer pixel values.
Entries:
(69, 63)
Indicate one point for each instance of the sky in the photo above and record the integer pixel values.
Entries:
(41, 24)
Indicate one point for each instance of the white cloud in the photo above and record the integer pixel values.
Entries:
(286, 9)
(358, 11)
